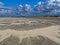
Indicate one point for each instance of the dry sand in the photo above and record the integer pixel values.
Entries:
(52, 33)
(29, 31)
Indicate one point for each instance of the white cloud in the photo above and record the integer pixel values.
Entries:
(40, 8)
(39, 3)
(20, 6)
(58, 0)
(27, 7)
(1, 3)
(53, 0)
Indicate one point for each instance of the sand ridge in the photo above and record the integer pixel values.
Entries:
(50, 32)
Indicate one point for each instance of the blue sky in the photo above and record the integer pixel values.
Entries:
(17, 2)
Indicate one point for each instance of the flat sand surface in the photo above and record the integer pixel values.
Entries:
(29, 31)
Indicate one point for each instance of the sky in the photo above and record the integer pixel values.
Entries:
(20, 2)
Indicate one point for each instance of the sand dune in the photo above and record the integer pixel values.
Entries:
(51, 33)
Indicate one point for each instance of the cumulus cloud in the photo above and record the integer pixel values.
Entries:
(27, 7)
(39, 3)
(41, 8)
(51, 0)
(20, 6)
(1, 3)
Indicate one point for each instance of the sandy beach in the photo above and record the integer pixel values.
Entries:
(29, 31)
